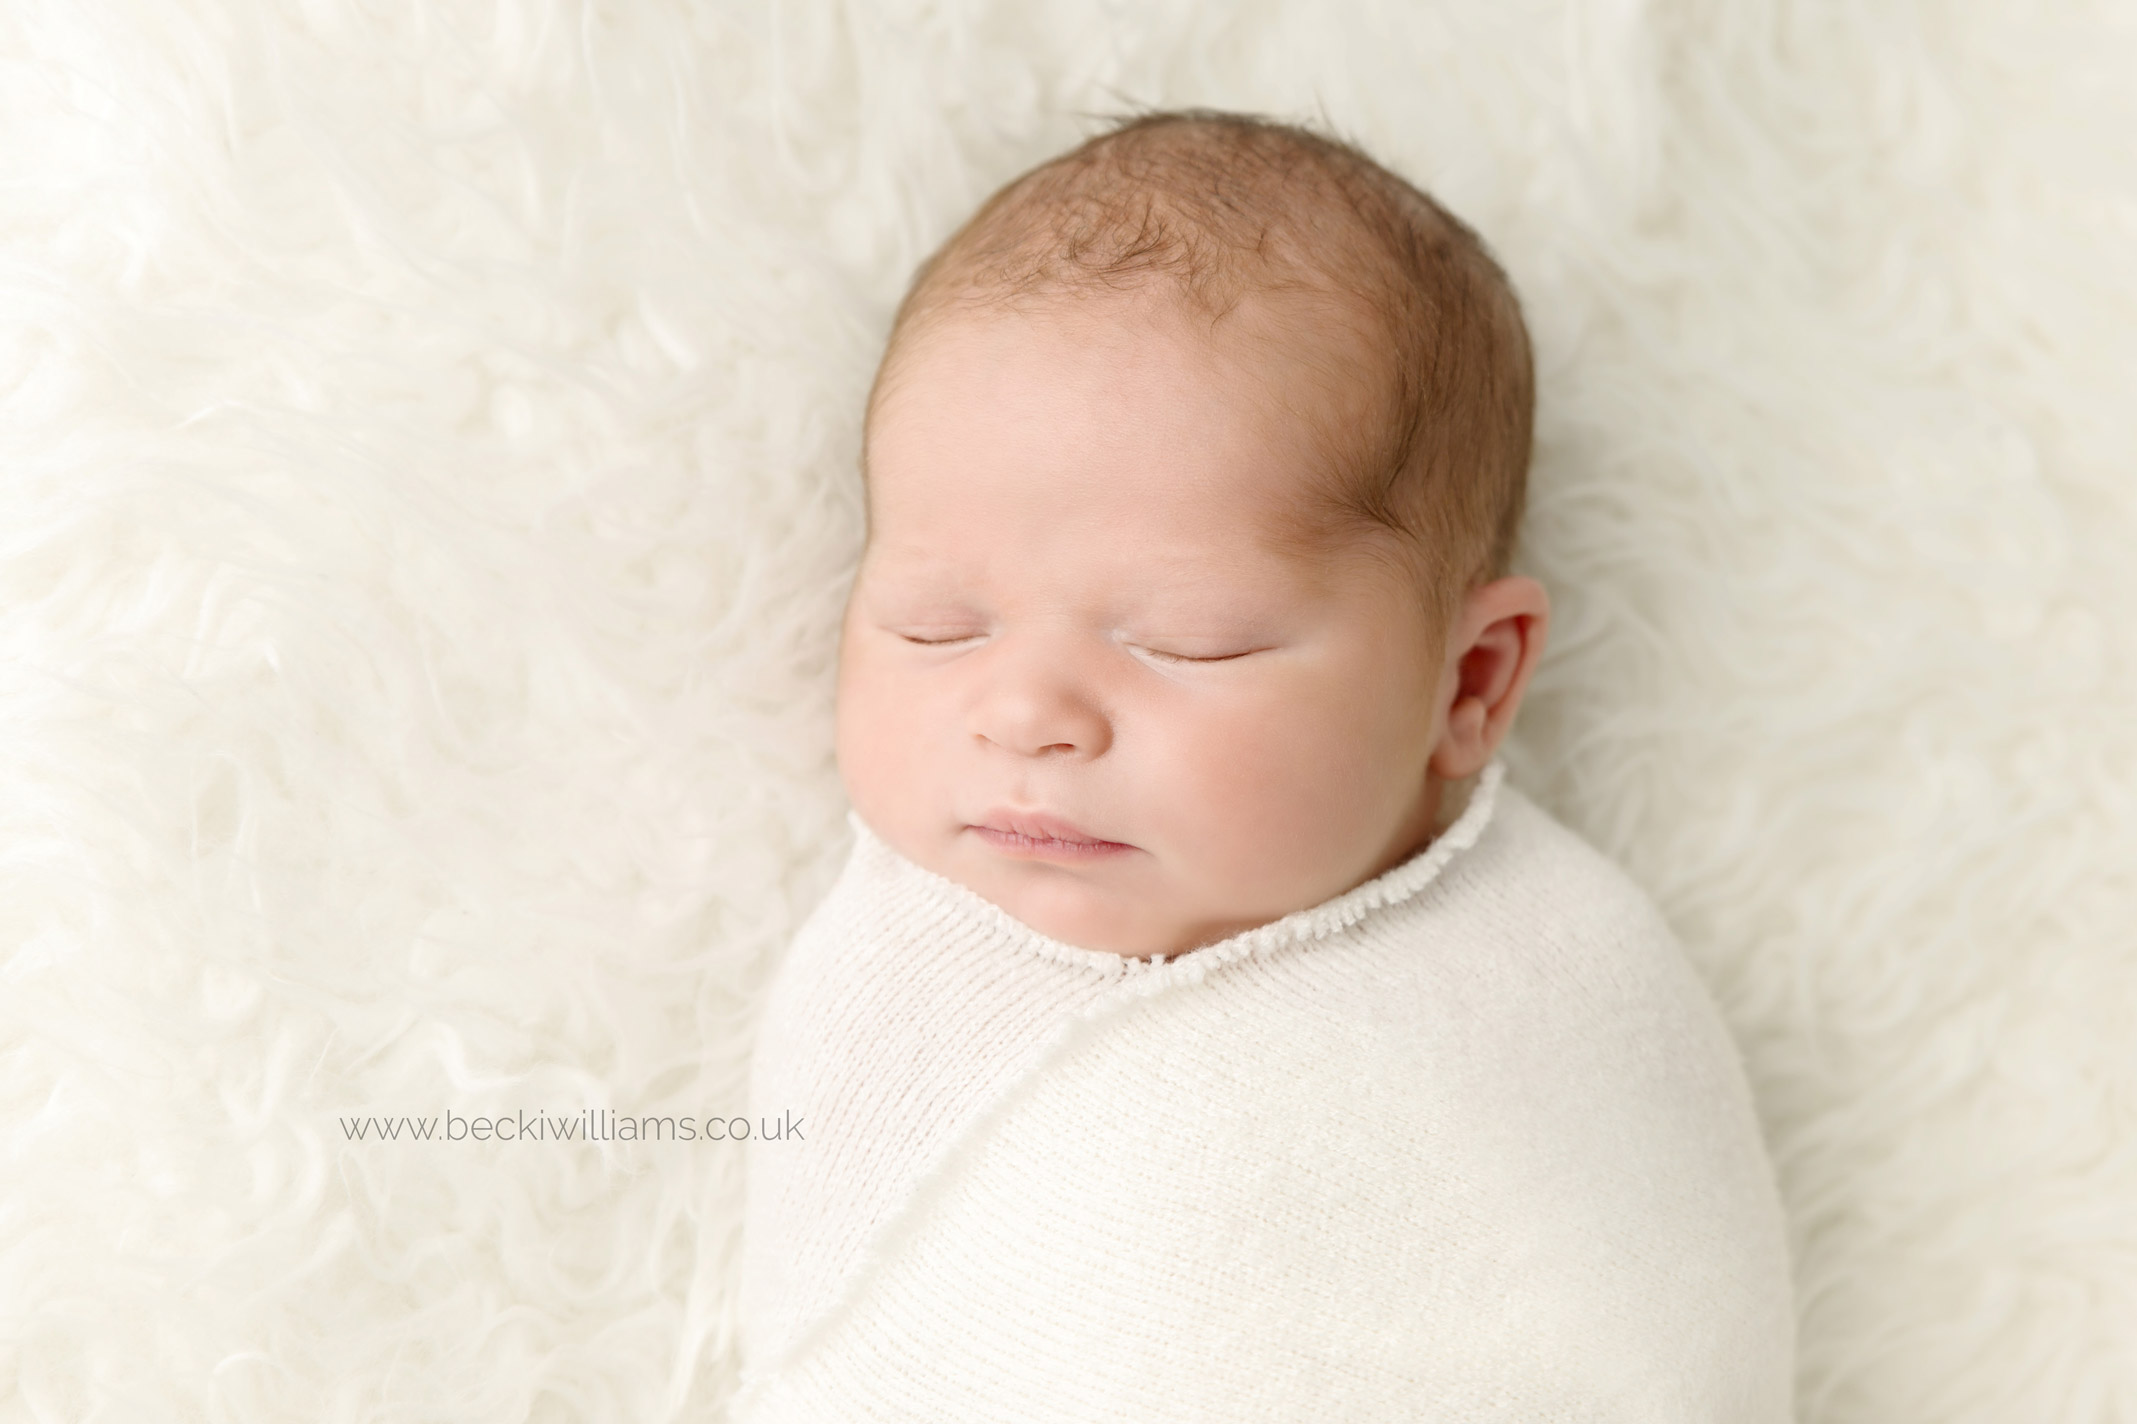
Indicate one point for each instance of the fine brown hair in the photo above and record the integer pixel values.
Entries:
(1216, 206)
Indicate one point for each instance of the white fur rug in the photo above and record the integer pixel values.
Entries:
(426, 494)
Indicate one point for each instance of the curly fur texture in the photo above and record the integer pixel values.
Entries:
(426, 496)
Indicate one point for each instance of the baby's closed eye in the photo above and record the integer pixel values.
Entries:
(939, 641)
(1166, 656)
(1182, 651)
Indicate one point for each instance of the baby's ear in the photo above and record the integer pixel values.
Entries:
(1497, 641)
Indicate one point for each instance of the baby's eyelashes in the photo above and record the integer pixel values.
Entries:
(1162, 655)
(938, 642)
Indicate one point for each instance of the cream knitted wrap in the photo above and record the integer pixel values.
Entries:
(1467, 1142)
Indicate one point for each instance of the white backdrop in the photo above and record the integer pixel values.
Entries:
(426, 496)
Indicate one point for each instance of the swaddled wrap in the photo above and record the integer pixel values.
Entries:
(1468, 1142)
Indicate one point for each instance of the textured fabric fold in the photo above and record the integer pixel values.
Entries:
(1469, 1141)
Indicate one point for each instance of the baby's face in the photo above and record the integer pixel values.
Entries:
(1078, 674)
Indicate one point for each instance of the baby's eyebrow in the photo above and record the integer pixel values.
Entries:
(911, 563)
(1165, 585)
(923, 583)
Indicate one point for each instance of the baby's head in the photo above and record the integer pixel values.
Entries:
(1194, 464)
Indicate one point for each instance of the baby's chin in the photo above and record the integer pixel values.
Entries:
(1090, 908)
(1067, 905)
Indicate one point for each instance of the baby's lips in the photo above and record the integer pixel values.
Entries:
(1039, 825)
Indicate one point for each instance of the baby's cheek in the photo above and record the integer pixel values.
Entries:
(1278, 793)
(876, 751)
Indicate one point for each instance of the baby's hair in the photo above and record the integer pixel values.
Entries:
(1215, 206)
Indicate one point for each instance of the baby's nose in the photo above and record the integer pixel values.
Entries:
(1035, 704)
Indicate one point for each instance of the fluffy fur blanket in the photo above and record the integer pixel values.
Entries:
(426, 493)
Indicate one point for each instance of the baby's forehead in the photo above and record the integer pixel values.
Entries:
(1310, 359)
(1288, 367)
(1241, 435)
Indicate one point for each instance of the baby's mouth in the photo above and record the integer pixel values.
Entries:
(1036, 833)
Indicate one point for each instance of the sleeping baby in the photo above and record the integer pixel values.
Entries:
(1201, 1027)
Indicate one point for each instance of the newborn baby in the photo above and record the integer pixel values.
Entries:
(1202, 1028)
